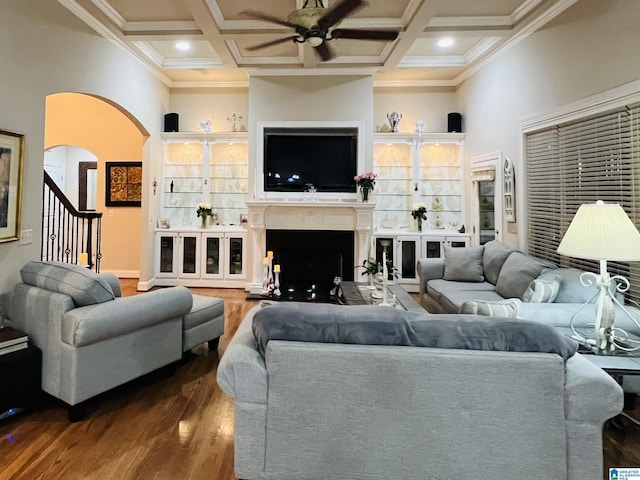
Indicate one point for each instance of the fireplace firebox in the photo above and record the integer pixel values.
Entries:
(310, 260)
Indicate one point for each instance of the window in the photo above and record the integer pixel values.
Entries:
(581, 161)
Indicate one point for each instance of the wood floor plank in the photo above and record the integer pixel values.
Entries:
(159, 428)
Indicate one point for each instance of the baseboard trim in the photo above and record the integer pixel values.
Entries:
(146, 285)
(123, 273)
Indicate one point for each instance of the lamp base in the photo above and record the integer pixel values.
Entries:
(605, 338)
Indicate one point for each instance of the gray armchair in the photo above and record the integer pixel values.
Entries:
(91, 338)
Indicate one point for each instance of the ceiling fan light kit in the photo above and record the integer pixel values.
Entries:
(313, 24)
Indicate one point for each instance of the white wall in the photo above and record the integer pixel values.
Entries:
(198, 105)
(45, 50)
(427, 104)
(590, 48)
(339, 99)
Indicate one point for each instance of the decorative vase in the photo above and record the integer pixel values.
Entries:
(394, 119)
(419, 224)
(365, 194)
(204, 221)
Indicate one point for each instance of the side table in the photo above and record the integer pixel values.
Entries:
(20, 380)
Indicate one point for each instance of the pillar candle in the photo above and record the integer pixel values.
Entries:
(276, 267)
(384, 267)
(83, 259)
(270, 254)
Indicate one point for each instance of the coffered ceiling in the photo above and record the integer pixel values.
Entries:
(220, 37)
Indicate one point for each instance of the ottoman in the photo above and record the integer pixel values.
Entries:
(204, 323)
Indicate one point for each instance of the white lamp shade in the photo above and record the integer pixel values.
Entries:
(601, 231)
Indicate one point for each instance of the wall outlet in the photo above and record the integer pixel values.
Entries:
(26, 237)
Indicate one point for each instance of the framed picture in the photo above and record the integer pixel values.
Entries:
(11, 165)
(124, 184)
(164, 223)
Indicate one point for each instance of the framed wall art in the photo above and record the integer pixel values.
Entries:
(123, 184)
(11, 165)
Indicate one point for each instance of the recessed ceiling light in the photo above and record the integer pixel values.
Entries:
(183, 45)
(445, 42)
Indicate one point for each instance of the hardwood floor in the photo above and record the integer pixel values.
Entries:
(160, 428)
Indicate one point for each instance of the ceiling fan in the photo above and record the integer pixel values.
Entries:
(313, 24)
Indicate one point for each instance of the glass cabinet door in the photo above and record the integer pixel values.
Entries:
(408, 253)
(166, 255)
(189, 255)
(432, 248)
(486, 199)
(236, 245)
(212, 258)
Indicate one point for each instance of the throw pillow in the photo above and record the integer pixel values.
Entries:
(495, 254)
(463, 264)
(83, 285)
(504, 308)
(371, 325)
(518, 271)
(542, 290)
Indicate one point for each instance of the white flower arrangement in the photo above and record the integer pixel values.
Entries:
(204, 209)
(419, 210)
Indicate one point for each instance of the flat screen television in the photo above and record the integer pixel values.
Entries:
(326, 158)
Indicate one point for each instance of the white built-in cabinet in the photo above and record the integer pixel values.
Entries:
(211, 168)
(209, 257)
(203, 168)
(412, 168)
(404, 249)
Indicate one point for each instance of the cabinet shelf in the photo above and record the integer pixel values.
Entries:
(434, 163)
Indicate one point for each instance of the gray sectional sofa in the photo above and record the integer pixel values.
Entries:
(507, 282)
(310, 410)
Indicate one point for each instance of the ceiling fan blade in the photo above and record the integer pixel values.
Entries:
(338, 12)
(324, 52)
(268, 18)
(272, 42)
(364, 34)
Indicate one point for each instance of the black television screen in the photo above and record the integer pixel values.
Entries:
(327, 158)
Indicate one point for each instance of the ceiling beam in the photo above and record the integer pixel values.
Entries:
(414, 29)
(205, 21)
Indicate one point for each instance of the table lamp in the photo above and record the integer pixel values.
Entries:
(603, 232)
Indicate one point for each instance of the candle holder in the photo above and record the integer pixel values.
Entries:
(277, 292)
(270, 285)
(265, 276)
(385, 280)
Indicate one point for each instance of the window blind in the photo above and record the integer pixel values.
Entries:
(594, 158)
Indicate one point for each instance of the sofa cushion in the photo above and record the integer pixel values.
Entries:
(543, 289)
(80, 283)
(453, 299)
(518, 271)
(504, 308)
(373, 325)
(463, 264)
(203, 310)
(494, 256)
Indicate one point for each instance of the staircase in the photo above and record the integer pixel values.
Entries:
(67, 232)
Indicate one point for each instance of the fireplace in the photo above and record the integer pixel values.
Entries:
(311, 240)
(311, 259)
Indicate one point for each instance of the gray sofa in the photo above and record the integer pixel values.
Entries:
(93, 339)
(510, 283)
(309, 410)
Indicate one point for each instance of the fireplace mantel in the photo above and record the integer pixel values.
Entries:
(305, 215)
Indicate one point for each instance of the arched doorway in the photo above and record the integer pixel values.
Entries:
(111, 134)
